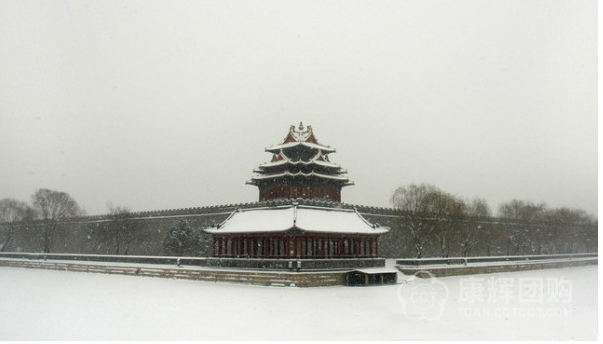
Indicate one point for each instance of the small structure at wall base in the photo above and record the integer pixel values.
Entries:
(371, 276)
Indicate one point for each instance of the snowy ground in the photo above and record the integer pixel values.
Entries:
(53, 305)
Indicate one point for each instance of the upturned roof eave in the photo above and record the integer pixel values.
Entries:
(294, 217)
(287, 174)
(289, 145)
(284, 162)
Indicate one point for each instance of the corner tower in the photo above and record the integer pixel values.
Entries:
(300, 168)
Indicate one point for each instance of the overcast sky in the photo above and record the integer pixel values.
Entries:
(170, 104)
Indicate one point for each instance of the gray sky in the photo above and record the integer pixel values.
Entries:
(170, 104)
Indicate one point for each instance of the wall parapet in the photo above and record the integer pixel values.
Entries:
(217, 209)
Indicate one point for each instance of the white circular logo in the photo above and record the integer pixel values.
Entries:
(424, 297)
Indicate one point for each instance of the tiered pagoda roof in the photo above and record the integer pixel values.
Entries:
(300, 156)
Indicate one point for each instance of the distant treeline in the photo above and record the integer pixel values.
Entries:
(437, 224)
(425, 222)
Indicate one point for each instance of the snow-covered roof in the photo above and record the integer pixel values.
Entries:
(315, 219)
(286, 161)
(296, 217)
(288, 145)
(300, 174)
(301, 137)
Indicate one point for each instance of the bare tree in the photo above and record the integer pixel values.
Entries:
(452, 214)
(478, 208)
(53, 207)
(12, 210)
(528, 226)
(121, 230)
(568, 227)
(470, 235)
(426, 208)
(522, 210)
(17, 214)
(569, 216)
(469, 238)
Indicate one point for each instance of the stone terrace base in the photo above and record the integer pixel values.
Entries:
(292, 264)
(275, 264)
(264, 278)
(367, 276)
(427, 271)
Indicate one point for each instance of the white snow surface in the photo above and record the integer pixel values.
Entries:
(277, 219)
(56, 305)
(334, 221)
(305, 218)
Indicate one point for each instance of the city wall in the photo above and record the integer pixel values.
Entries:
(490, 236)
